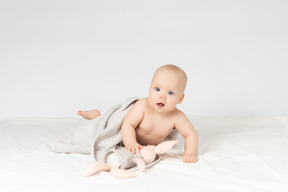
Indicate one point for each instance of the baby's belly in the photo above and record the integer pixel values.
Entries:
(150, 140)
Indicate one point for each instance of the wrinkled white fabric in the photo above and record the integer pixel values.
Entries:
(236, 154)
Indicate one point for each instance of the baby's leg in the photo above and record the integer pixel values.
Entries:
(89, 114)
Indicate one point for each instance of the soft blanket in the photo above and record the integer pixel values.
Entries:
(97, 136)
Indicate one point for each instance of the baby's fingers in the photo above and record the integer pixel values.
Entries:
(190, 159)
(186, 159)
(194, 160)
(140, 147)
(130, 149)
(134, 149)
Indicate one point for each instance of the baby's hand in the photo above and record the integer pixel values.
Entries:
(134, 147)
(190, 158)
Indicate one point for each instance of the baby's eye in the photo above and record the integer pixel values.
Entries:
(170, 93)
(157, 89)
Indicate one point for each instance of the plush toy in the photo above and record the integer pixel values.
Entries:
(148, 155)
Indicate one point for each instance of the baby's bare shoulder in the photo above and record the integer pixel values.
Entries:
(177, 112)
(179, 116)
(139, 106)
(141, 103)
(136, 113)
(142, 100)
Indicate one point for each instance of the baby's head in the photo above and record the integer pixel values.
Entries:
(167, 88)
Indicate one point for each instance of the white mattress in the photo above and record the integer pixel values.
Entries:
(236, 154)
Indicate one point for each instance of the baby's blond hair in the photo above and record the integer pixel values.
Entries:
(176, 69)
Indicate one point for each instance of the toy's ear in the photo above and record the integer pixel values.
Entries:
(121, 173)
(95, 167)
(165, 146)
(151, 146)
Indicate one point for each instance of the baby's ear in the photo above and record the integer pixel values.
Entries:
(165, 146)
(181, 98)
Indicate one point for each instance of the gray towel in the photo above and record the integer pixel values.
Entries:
(102, 136)
(97, 136)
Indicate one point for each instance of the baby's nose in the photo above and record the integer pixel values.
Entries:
(162, 96)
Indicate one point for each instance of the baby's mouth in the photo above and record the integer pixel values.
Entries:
(160, 104)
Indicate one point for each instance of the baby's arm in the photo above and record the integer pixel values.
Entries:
(130, 122)
(185, 127)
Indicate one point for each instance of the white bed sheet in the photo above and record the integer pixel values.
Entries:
(236, 154)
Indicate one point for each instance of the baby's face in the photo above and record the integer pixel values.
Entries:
(166, 90)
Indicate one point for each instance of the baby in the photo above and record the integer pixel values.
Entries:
(153, 118)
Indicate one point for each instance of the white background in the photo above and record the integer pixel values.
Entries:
(60, 56)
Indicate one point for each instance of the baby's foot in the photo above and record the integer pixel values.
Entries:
(89, 114)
